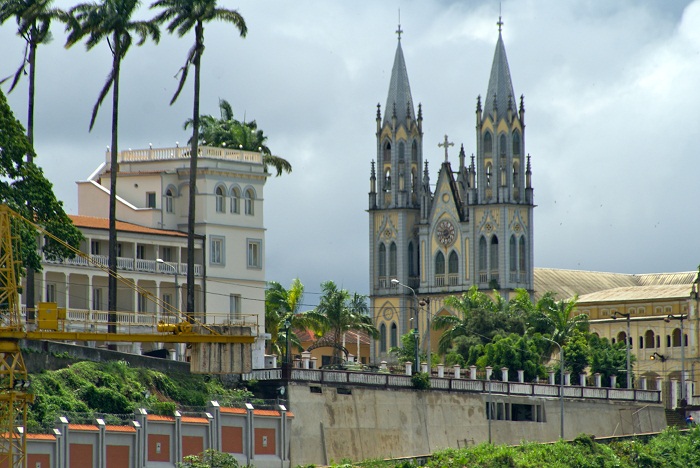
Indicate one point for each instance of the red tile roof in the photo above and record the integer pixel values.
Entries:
(194, 420)
(83, 427)
(103, 223)
(233, 410)
(265, 412)
(155, 417)
(41, 437)
(120, 428)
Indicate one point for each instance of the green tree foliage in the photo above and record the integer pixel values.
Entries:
(558, 319)
(282, 306)
(516, 352)
(24, 188)
(110, 20)
(209, 459)
(407, 350)
(182, 16)
(339, 311)
(227, 132)
(577, 355)
(609, 359)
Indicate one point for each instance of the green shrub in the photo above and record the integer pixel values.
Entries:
(421, 380)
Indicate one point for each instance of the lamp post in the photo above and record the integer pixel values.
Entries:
(681, 318)
(394, 281)
(561, 386)
(177, 297)
(627, 345)
(287, 369)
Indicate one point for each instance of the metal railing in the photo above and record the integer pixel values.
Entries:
(126, 264)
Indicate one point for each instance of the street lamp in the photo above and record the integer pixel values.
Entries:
(561, 385)
(396, 282)
(683, 389)
(627, 344)
(658, 356)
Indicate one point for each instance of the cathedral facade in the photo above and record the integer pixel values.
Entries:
(473, 227)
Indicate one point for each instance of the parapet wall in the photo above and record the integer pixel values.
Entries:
(338, 421)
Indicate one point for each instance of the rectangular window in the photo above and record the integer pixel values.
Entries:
(141, 252)
(216, 251)
(95, 247)
(254, 253)
(168, 203)
(234, 307)
(50, 292)
(150, 199)
(97, 299)
(166, 254)
(143, 303)
(167, 299)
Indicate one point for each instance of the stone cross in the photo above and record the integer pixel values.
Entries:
(446, 144)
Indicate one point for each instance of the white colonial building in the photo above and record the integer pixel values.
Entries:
(152, 208)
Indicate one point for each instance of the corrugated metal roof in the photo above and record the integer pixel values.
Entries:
(568, 283)
(637, 293)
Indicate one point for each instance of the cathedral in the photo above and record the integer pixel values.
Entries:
(475, 228)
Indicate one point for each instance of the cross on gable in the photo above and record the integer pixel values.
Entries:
(446, 144)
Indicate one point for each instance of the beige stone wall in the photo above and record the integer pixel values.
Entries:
(373, 423)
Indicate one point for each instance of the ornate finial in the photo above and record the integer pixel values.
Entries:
(399, 31)
(420, 111)
(373, 173)
(500, 24)
(510, 102)
(478, 103)
(528, 162)
(522, 103)
(379, 111)
(446, 144)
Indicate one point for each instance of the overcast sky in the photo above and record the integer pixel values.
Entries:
(612, 113)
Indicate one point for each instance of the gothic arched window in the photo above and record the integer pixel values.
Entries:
(516, 143)
(387, 180)
(392, 259)
(523, 255)
(169, 201)
(394, 336)
(515, 174)
(402, 151)
(414, 151)
(453, 263)
(381, 260)
(220, 199)
(440, 264)
(513, 250)
(411, 262)
(493, 255)
(488, 143)
(382, 338)
(483, 261)
(387, 152)
(489, 174)
(502, 145)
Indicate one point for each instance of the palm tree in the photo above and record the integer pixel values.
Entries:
(184, 15)
(339, 312)
(33, 25)
(227, 132)
(282, 316)
(110, 20)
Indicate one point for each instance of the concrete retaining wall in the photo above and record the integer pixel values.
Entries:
(334, 422)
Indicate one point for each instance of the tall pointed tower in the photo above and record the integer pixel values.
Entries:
(394, 207)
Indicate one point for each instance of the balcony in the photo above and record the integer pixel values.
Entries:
(126, 264)
(169, 154)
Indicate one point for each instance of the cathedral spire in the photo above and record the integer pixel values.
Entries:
(500, 92)
(399, 97)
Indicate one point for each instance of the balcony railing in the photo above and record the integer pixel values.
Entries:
(165, 154)
(128, 264)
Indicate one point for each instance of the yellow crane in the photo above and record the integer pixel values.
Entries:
(220, 348)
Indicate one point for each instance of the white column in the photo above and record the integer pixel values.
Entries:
(409, 368)
(441, 370)
(504, 374)
(598, 379)
(456, 370)
(489, 371)
(521, 376)
(472, 372)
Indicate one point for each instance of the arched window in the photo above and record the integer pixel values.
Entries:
(649, 341)
(235, 200)
(394, 337)
(402, 151)
(676, 337)
(523, 255)
(668, 341)
(440, 264)
(381, 260)
(516, 143)
(249, 200)
(414, 151)
(488, 143)
(622, 336)
(169, 201)
(411, 263)
(502, 145)
(414, 185)
(515, 174)
(483, 262)
(220, 200)
(387, 152)
(641, 342)
(453, 263)
(392, 259)
(387, 180)
(382, 338)
(513, 254)
(489, 174)
(493, 255)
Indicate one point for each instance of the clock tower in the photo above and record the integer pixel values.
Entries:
(474, 228)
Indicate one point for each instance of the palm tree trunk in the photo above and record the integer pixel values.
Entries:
(199, 34)
(114, 168)
(30, 292)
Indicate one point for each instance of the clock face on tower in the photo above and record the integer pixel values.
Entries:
(445, 233)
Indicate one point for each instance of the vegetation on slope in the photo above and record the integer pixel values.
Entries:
(86, 390)
(671, 448)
